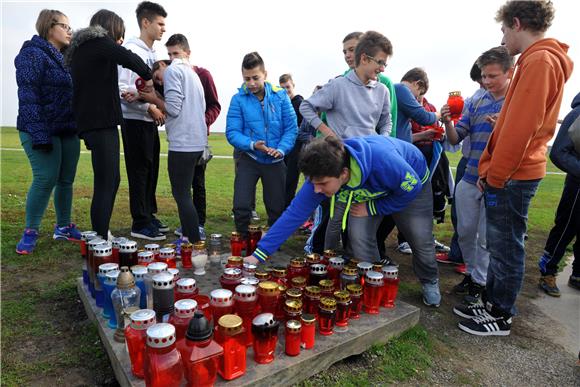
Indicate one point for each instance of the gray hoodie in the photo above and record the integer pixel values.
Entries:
(136, 110)
(185, 107)
(352, 109)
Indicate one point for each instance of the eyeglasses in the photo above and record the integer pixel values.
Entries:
(381, 63)
(64, 26)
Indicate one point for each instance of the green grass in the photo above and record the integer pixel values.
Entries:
(40, 305)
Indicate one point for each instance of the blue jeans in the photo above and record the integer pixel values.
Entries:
(506, 211)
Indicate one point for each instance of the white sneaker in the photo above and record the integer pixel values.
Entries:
(404, 248)
(255, 215)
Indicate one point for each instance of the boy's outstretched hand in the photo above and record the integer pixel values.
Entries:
(251, 259)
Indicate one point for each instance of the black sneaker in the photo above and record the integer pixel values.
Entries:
(387, 261)
(470, 311)
(475, 292)
(463, 286)
(162, 227)
(150, 233)
(574, 282)
(487, 325)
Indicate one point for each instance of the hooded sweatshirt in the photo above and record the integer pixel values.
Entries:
(385, 173)
(517, 146)
(185, 106)
(135, 110)
(352, 108)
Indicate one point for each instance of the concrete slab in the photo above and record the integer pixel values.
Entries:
(565, 310)
(285, 370)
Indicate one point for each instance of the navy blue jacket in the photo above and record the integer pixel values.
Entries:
(45, 92)
(563, 154)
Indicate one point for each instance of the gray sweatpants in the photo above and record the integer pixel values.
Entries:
(415, 222)
(471, 230)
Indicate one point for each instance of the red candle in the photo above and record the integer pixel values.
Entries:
(308, 333)
(186, 288)
(373, 289)
(231, 338)
(222, 303)
(297, 268)
(254, 236)
(186, 251)
(167, 255)
(311, 300)
(200, 354)
(136, 336)
(279, 275)
(356, 292)
(144, 258)
(455, 102)
(231, 278)
(268, 296)
(391, 286)
(203, 304)
(292, 310)
(246, 306)
(326, 316)
(335, 266)
(343, 304)
(183, 312)
(237, 244)
(154, 248)
(326, 288)
(265, 332)
(163, 366)
(293, 337)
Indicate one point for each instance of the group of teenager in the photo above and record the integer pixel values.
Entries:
(368, 148)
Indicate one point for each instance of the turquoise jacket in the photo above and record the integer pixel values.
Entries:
(274, 122)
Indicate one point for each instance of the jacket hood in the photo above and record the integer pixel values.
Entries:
(360, 152)
(556, 48)
(39, 43)
(81, 36)
(137, 42)
(576, 101)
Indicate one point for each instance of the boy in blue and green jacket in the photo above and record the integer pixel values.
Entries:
(379, 176)
(261, 126)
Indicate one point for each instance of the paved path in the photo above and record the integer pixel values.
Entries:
(565, 310)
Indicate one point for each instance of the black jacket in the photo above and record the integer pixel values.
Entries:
(93, 59)
(563, 153)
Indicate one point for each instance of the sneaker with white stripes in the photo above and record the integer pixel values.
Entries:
(487, 325)
(470, 311)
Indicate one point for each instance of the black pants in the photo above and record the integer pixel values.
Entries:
(273, 177)
(198, 186)
(104, 147)
(141, 147)
(181, 168)
(566, 228)
(292, 172)
(319, 233)
(385, 228)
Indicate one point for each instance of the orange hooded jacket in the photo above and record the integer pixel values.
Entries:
(518, 144)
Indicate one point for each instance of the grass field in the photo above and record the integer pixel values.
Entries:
(46, 336)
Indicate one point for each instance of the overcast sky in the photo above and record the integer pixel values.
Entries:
(305, 38)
